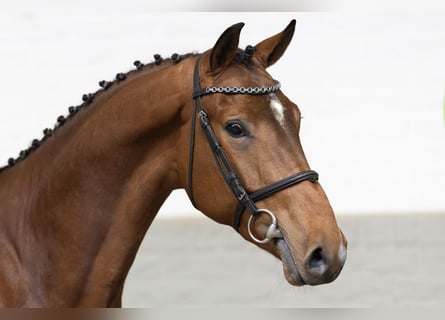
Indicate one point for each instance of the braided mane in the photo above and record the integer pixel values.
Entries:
(243, 56)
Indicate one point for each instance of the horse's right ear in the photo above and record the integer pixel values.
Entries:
(225, 48)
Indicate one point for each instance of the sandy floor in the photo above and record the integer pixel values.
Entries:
(393, 260)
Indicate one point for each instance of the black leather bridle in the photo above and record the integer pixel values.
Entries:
(246, 200)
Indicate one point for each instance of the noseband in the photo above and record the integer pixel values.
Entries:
(245, 199)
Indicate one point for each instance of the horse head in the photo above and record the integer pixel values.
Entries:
(261, 182)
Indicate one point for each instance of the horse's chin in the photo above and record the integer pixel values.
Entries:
(290, 269)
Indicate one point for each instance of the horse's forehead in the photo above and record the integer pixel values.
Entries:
(240, 76)
(268, 107)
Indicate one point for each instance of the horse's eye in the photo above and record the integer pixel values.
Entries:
(235, 129)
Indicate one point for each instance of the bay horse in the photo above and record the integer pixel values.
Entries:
(75, 206)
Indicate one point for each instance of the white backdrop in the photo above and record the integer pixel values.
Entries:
(370, 87)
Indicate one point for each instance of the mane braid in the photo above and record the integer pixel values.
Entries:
(89, 98)
(242, 56)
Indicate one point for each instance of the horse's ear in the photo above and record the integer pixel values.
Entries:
(225, 48)
(270, 50)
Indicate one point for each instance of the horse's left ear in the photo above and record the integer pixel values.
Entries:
(270, 50)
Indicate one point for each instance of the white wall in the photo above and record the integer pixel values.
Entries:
(370, 87)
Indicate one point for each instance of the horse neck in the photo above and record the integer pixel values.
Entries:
(93, 189)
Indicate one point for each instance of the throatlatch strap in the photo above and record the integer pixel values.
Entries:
(196, 109)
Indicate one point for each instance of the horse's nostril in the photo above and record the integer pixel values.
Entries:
(317, 262)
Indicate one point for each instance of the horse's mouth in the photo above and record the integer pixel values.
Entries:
(290, 269)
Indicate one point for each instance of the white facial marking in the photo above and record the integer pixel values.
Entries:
(277, 109)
